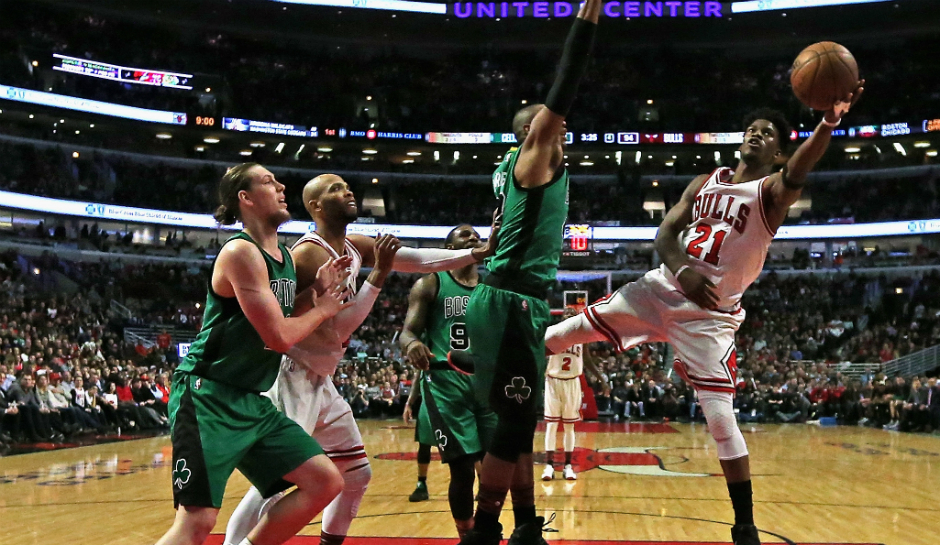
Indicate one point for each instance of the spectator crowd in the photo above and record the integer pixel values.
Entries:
(66, 368)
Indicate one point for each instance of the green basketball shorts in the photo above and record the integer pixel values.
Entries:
(507, 338)
(217, 428)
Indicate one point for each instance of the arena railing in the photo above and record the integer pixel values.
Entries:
(913, 364)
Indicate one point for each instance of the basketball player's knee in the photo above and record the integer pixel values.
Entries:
(719, 413)
(200, 522)
(357, 477)
(321, 476)
(512, 438)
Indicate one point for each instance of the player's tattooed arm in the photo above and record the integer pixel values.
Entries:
(697, 288)
(420, 302)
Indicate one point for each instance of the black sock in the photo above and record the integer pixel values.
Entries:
(523, 514)
(568, 458)
(549, 457)
(486, 523)
(422, 479)
(742, 501)
(331, 539)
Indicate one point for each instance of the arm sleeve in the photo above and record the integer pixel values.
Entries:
(573, 63)
(349, 319)
(429, 260)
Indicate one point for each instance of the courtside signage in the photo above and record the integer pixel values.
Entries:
(98, 211)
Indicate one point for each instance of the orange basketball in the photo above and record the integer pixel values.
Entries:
(822, 74)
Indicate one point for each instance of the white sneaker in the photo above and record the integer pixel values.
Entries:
(549, 473)
(570, 475)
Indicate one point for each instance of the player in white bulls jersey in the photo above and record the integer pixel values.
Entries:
(713, 244)
(563, 402)
(304, 390)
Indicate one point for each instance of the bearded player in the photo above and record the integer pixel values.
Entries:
(563, 394)
(713, 244)
(304, 390)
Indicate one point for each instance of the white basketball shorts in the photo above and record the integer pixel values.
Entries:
(562, 400)
(312, 401)
(650, 310)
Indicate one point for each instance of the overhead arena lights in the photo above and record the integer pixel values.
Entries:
(388, 5)
(771, 5)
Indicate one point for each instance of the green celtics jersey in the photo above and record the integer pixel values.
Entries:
(529, 243)
(228, 349)
(446, 329)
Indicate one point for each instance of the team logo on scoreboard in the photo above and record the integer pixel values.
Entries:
(579, 236)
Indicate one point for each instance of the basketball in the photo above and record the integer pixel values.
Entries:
(822, 74)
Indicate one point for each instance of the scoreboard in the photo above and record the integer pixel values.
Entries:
(578, 240)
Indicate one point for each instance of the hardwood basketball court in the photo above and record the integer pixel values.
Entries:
(636, 484)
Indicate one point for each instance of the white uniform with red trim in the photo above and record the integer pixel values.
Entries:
(727, 242)
(304, 389)
(562, 387)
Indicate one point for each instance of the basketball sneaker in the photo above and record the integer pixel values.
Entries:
(570, 475)
(475, 537)
(549, 473)
(744, 534)
(529, 533)
(420, 493)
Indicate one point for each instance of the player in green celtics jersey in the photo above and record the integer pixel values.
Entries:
(219, 420)
(508, 315)
(451, 417)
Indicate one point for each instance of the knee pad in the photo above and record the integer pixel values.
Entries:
(356, 474)
(338, 515)
(718, 408)
(512, 438)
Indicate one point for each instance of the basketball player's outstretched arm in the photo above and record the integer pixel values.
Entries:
(431, 260)
(240, 271)
(420, 301)
(784, 188)
(539, 156)
(697, 288)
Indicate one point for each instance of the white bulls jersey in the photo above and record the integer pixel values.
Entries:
(728, 238)
(323, 349)
(566, 365)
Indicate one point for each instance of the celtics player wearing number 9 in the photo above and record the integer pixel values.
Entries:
(451, 417)
(219, 420)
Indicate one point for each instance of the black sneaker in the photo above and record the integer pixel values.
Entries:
(529, 533)
(744, 534)
(420, 494)
(476, 537)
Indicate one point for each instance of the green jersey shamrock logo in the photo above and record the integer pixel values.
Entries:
(518, 390)
(441, 439)
(181, 474)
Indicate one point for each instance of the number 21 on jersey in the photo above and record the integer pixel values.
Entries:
(706, 232)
